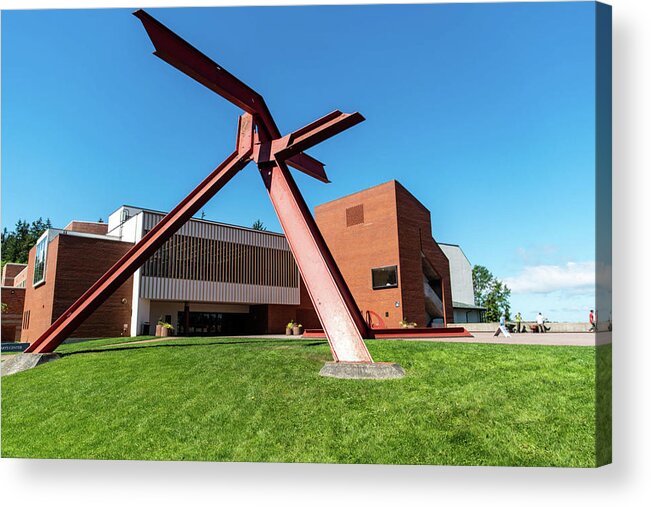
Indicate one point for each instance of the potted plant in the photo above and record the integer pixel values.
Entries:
(164, 328)
(406, 324)
(297, 329)
(289, 327)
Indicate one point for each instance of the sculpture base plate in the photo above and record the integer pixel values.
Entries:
(22, 362)
(348, 370)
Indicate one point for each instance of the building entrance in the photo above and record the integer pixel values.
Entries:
(212, 324)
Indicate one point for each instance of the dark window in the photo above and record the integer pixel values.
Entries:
(385, 278)
(355, 215)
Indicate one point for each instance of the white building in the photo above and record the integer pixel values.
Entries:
(463, 293)
(209, 278)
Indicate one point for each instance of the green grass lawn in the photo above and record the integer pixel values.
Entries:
(245, 399)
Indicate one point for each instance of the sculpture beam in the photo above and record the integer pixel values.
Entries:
(180, 54)
(120, 272)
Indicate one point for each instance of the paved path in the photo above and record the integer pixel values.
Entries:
(577, 339)
(580, 339)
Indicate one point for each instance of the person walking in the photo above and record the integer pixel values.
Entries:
(502, 328)
(593, 321)
(540, 320)
(518, 322)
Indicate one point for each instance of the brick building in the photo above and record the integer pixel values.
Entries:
(62, 266)
(208, 279)
(13, 300)
(217, 279)
(382, 242)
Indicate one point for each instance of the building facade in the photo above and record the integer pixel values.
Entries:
(218, 279)
(382, 242)
(63, 264)
(13, 301)
(463, 292)
(208, 279)
(212, 278)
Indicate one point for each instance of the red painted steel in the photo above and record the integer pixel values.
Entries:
(337, 310)
(334, 304)
(421, 332)
(339, 315)
(332, 300)
(398, 333)
(136, 256)
(369, 320)
(180, 54)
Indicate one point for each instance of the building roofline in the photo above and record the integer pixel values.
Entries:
(358, 192)
(90, 235)
(15, 264)
(85, 222)
(213, 222)
(396, 185)
(460, 249)
(465, 306)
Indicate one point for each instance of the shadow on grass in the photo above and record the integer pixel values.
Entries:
(266, 343)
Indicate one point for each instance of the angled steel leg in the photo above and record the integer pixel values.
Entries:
(341, 319)
(152, 241)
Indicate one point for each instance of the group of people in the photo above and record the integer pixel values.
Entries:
(540, 322)
(520, 328)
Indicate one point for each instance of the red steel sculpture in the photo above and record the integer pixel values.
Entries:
(258, 139)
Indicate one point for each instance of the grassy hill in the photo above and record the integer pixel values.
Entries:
(245, 399)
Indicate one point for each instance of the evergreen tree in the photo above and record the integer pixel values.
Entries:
(258, 225)
(17, 244)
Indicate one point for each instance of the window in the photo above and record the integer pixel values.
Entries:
(39, 263)
(385, 278)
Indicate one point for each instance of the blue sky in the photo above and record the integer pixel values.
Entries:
(484, 112)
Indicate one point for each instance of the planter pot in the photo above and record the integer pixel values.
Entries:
(288, 330)
(296, 330)
(164, 331)
(159, 330)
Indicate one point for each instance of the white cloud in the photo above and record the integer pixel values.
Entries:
(543, 279)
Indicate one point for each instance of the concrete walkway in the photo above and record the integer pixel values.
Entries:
(576, 339)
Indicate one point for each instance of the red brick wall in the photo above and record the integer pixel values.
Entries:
(88, 227)
(21, 277)
(392, 228)
(39, 300)
(279, 315)
(364, 245)
(14, 298)
(9, 272)
(73, 264)
(81, 262)
(415, 235)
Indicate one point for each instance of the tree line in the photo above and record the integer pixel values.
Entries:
(491, 294)
(16, 244)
